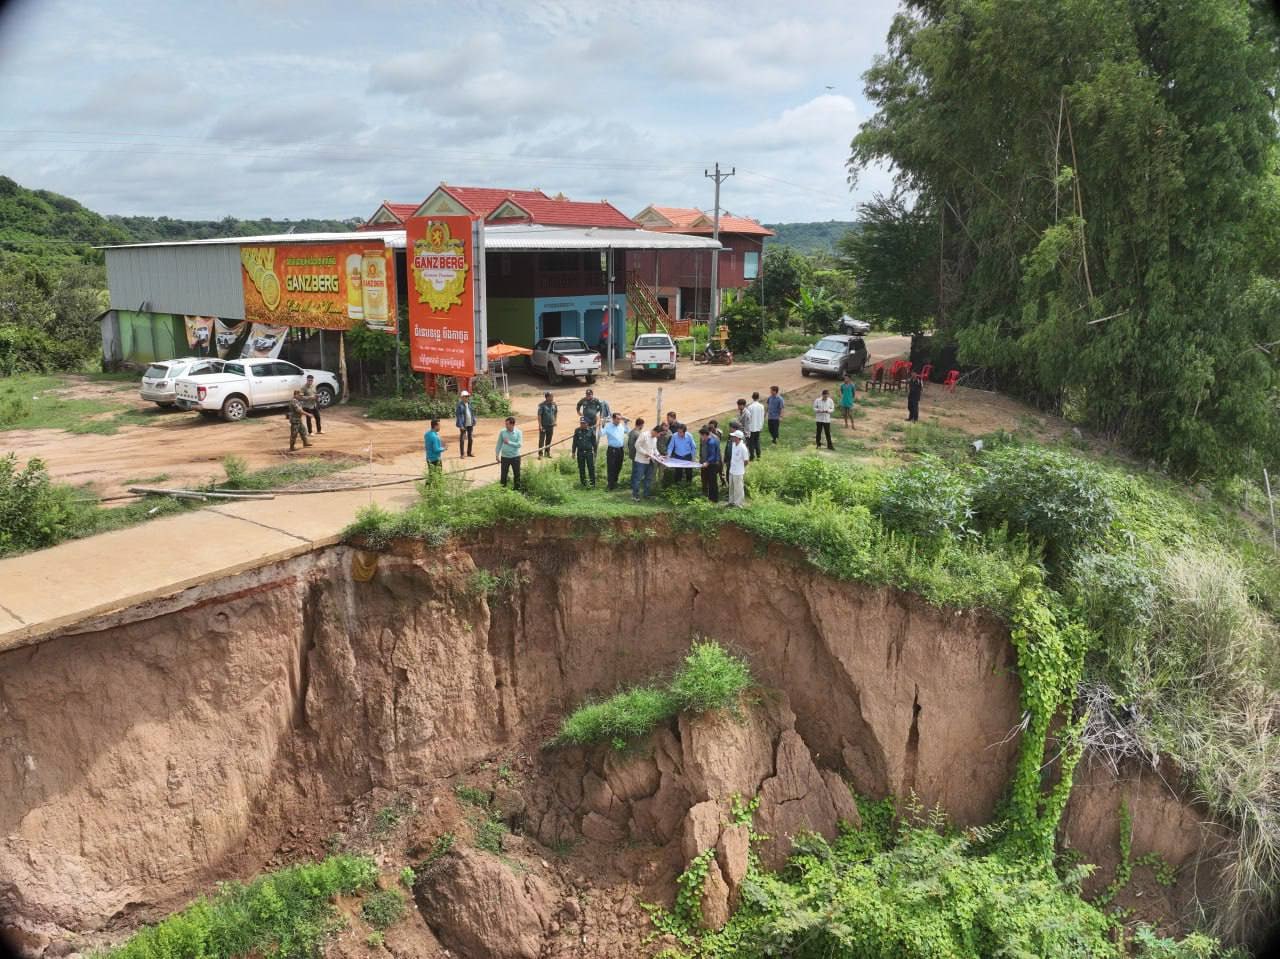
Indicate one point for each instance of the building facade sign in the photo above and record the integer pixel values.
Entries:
(445, 262)
(325, 286)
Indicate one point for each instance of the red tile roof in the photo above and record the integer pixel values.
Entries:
(483, 200)
(543, 209)
(560, 212)
(688, 220)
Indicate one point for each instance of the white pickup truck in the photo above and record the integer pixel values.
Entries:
(559, 356)
(250, 384)
(654, 353)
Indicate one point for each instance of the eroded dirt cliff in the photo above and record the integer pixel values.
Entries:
(196, 738)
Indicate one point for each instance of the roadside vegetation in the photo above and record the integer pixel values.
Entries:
(1144, 616)
(487, 402)
(36, 512)
(40, 402)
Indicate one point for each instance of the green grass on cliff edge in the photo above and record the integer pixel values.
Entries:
(1176, 594)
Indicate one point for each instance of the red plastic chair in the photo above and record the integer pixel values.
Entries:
(952, 379)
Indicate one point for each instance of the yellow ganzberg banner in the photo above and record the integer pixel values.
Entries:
(323, 286)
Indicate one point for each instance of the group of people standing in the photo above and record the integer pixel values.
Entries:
(304, 406)
(656, 453)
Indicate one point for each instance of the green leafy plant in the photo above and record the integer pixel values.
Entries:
(280, 915)
(383, 908)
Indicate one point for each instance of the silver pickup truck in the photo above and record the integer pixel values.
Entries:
(558, 357)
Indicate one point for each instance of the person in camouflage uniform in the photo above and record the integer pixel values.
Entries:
(296, 429)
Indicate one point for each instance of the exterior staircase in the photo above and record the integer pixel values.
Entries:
(644, 304)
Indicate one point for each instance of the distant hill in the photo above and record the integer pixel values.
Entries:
(50, 229)
(810, 237)
(150, 229)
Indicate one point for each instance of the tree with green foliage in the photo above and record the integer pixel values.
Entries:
(783, 274)
(1106, 177)
(816, 310)
(893, 258)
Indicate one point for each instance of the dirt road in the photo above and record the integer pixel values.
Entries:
(186, 448)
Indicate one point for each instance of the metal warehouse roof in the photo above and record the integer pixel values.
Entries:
(513, 238)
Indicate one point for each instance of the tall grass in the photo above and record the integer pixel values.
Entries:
(709, 678)
(281, 915)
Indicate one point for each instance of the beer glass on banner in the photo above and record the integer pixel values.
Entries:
(355, 286)
(374, 288)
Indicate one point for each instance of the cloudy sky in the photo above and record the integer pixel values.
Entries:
(292, 108)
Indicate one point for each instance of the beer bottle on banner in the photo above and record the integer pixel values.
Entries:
(355, 286)
(374, 288)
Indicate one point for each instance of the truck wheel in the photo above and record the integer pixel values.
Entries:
(803, 371)
(671, 375)
(591, 378)
(553, 378)
(324, 397)
(235, 409)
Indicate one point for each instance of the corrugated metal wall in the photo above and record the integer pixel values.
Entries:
(192, 280)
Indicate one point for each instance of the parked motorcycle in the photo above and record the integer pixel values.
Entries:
(714, 353)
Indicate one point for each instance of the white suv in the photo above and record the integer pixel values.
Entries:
(160, 379)
(243, 385)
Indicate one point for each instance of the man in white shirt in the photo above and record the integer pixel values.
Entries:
(823, 407)
(642, 468)
(738, 457)
(755, 425)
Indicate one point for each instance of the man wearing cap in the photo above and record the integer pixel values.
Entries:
(584, 448)
(508, 452)
(737, 457)
(464, 417)
(709, 456)
(615, 437)
(547, 411)
(646, 449)
(593, 408)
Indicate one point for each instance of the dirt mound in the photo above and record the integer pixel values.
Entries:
(195, 738)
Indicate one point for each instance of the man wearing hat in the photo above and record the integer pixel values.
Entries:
(584, 448)
(737, 458)
(464, 417)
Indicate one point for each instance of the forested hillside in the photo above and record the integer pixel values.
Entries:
(53, 283)
(810, 237)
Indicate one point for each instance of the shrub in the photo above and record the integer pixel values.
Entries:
(796, 478)
(485, 400)
(34, 512)
(710, 678)
(927, 499)
(384, 908)
(547, 484)
(1055, 498)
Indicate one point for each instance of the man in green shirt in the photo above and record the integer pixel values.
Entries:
(508, 452)
(547, 412)
(584, 448)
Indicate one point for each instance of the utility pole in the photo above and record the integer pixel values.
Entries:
(715, 254)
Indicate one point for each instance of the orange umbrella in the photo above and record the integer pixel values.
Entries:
(502, 350)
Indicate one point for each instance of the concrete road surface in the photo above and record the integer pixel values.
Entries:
(55, 588)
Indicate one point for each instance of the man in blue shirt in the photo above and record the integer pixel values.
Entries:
(435, 449)
(773, 409)
(615, 435)
(681, 447)
(709, 454)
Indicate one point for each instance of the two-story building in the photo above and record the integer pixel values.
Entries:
(682, 279)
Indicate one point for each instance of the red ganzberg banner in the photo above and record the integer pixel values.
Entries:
(441, 261)
(326, 286)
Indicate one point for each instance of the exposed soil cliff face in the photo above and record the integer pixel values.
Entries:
(183, 742)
